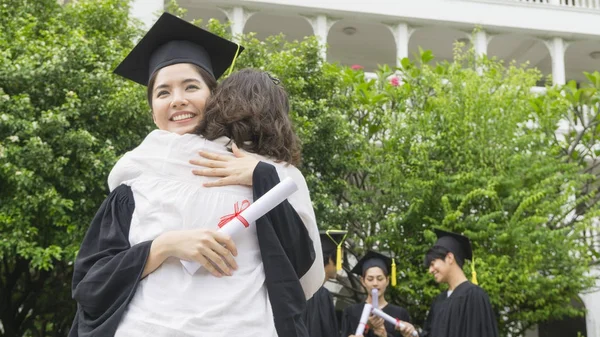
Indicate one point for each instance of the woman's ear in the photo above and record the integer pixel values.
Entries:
(362, 281)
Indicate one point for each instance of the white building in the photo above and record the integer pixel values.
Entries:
(559, 37)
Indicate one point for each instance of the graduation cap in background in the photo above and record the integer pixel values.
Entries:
(332, 240)
(375, 259)
(172, 40)
(459, 245)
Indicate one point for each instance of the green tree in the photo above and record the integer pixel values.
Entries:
(64, 119)
(467, 146)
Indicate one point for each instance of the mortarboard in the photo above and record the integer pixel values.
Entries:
(172, 40)
(332, 241)
(375, 259)
(459, 245)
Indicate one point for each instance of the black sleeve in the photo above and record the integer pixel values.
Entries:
(426, 332)
(401, 314)
(481, 319)
(288, 225)
(107, 269)
(348, 326)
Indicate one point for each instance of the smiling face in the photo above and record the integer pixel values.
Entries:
(375, 278)
(441, 268)
(178, 97)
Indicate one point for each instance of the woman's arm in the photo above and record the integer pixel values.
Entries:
(205, 246)
(107, 269)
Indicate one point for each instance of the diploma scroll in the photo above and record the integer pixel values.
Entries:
(260, 207)
(390, 319)
(375, 298)
(364, 317)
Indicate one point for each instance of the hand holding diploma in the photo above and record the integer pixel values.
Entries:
(363, 319)
(399, 324)
(245, 217)
(373, 308)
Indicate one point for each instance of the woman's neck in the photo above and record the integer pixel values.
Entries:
(381, 301)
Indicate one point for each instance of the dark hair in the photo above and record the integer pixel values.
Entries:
(329, 254)
(439, 252)
(208, 79)
(252, 110)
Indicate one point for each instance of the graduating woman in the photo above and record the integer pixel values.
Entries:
(374, 271)
(128, 278)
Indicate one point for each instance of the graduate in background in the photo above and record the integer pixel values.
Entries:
(464, 310)
(374, 270)
(320, 311)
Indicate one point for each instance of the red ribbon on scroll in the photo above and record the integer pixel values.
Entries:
(236, 214)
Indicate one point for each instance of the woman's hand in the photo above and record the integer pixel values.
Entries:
(233, 171)
(407, 329)
(207, 247)
(376, 323)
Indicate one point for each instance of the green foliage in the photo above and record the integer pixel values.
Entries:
(64, 119)
(456, 147)
(462, 145)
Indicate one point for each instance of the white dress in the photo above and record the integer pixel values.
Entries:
(171, 302)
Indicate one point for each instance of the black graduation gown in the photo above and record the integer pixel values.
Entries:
(320, 315)
(351, 318)
(107, 269)
(466, 313)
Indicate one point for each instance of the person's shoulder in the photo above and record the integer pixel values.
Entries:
(473, 291)
(397, 310)
(356, 307)
(396, 307)
(122, 194)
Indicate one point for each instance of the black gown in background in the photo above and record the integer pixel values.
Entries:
(107, 269)
(351, 318)
(320, 315)
(466, 313)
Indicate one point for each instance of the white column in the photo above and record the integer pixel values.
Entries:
(555, 2)
(237, 16)
(147, 11)
(557, 47)
(402, 33)
(321, 25)
(480, 42)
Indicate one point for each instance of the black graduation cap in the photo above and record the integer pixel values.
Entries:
(375, 259)
(172, 40)
(459, 245)
(332, 241)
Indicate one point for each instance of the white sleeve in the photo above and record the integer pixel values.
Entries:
(313, 279)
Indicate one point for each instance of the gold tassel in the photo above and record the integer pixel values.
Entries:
(393, 272)
(338, 257)
(237, 52)
(473, 272)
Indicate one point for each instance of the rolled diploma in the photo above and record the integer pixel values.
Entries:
(260, 207)
(364, 317)
(390, 319)
(375, 298)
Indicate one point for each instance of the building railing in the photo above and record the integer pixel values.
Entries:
(584, 4)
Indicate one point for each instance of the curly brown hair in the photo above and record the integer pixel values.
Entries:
(252, 109)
